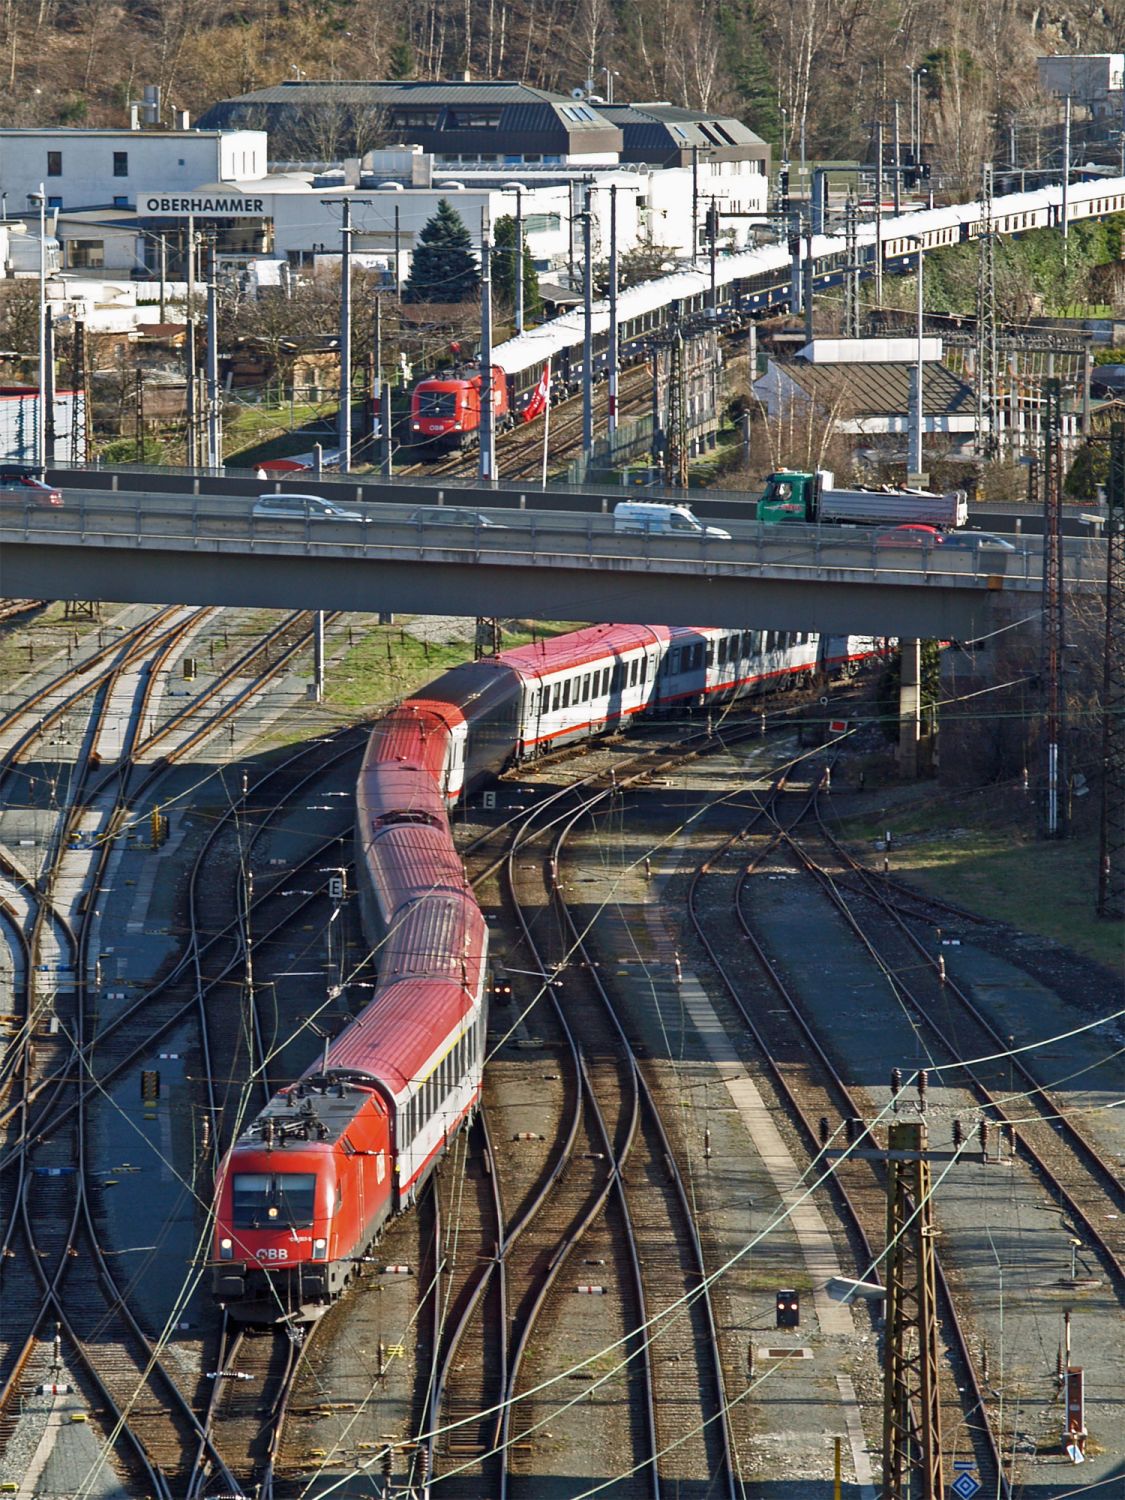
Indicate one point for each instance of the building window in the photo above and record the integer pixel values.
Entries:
(473, 119)
(54, 163)
(54, 202)
(85, 255)
(121, 201)
(121, 163)
(415, 119)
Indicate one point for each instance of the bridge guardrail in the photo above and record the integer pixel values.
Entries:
(550, 538)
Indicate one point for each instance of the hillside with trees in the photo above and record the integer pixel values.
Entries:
(816, 71)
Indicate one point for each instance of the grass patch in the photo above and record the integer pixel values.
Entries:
(254, 433)
(387, 663)
(979, 850)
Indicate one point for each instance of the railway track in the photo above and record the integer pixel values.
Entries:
(150, 1435)
(1073, 1167)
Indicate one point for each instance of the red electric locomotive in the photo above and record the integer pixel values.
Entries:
(445, 409)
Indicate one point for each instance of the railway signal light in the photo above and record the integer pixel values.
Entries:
(788, 1309)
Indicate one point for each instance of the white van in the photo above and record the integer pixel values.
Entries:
(662, 520)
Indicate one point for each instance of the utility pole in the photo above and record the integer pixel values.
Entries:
(214, 405)
(487, 466)
(1053, 807)
(378, 415)
(911, 1397)
(911, 1466)
(587, 336)
(41, 424)
(676, 440)
(519, 260)
(879, 214)
(1111, 863)
(614, 351)
(190, 382)
(344, 417)
(163, 277)
(398, 247)
(1066, 176)
(898, 165)
(48, 378)
(713, 253)
(695, 205)
(988, 432)
(808, 288)
(851, 271)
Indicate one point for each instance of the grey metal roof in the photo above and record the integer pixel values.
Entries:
(386, 92)
(861, 390)
(676, 128)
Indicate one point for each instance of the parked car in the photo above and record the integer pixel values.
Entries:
(304, 508)
(911, 534)
(20, 485)
(971, 540)
(455, 515)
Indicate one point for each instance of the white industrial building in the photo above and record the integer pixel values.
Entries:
(1092, 80)
(106, 168)
(122, 201)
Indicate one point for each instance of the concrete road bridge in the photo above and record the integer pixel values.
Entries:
(461, 556)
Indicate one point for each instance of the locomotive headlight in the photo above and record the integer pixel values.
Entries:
(226, 1250)
(319, 1249)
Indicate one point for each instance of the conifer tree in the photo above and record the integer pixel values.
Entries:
(504, 269)
(444, 268)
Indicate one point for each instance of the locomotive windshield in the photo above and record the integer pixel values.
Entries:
(268, 1200)
(437, 403)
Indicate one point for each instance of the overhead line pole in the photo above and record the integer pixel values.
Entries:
(587, 336)
(614, 352)
(344, 416)
(487, 467)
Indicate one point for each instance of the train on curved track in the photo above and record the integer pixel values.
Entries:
(748, 285)
(307, 1187)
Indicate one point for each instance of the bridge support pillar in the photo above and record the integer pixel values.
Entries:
(909, 707)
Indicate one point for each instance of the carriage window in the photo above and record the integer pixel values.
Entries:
(633, 670)
(586, 688)
(710, 653)
(558, 695)
(644, 669)
(566, 693)
(605, 681)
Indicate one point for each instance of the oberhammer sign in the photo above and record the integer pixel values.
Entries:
(203, 205)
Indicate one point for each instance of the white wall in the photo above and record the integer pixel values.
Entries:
(177, 160)
(305, 221)
(670, 203)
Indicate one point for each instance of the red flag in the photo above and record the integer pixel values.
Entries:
(539, 396)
